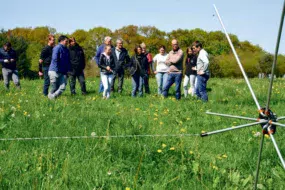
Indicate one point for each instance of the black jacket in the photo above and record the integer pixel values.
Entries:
(46, 55)
(11, 54)
(138, 65)
(104, 62)
(191, 61)
(77, 59)
(124, 58)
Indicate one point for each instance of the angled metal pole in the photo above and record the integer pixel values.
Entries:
(232, 116)
(258, 162)
(238, 60)
(231, 128)
(275, 57)
(278, 124)
(277, 149)
(280, 118)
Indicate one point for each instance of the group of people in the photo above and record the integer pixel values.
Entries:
(58, 62)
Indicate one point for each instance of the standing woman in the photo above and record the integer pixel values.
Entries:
(161, 69)
(107, 66)
(190, 74)
(138, 70)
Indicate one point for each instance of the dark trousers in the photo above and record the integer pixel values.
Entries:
(81, 78)
(201, 89)
(173, 78)
(46, 81)
(146, 84)
(137, 84)
(120, 74)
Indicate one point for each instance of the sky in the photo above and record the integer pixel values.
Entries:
(254, 20)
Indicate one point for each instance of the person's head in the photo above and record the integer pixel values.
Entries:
(51, 40)
(119, 43)
(108, 49)
(108, 40)
(143, 46)
(138, 50)
(175, 45)
(197, 46)
(7, 46)
(63, 40)
(161, 50)
(189, 51)
(72, 41)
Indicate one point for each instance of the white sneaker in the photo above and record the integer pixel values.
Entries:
(51, 96)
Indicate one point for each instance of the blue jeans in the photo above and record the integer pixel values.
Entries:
(137, 84)
(201, 89)
(161, 79)
(46, 81)
(173, 78)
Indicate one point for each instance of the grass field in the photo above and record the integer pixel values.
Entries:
(223, 161)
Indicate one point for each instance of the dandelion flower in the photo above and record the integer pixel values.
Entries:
(127, 188)
(188, 119)
(224, 156)
(164, 145)
(159, 151)
(191, 152)
(172, 148)
(160, 123)
(203, 131)
(137, 109)
(215, 168)
(267, 136)
(183, 130)
(155, 118)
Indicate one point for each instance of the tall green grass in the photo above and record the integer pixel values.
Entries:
(222, 161)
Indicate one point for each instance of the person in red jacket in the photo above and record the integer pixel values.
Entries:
(149, 67)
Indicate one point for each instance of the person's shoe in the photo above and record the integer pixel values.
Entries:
(51, 96)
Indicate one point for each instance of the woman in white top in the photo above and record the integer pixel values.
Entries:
(161, 69)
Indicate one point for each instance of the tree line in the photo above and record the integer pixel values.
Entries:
(28, 43)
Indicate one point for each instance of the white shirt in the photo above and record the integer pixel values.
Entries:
(160, 60)
(203, 61)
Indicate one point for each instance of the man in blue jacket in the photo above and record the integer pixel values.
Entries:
(59, 67)
(8, 59)
(100, 50)
(122, 58)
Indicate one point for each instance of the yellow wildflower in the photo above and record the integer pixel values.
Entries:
(224, 156)
(191, 152)
(161, 123)
(164, 145)
(159, 150)
(127, 188)
(172, 148)
(267, 136)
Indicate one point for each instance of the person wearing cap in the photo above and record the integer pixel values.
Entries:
(149, 67)
(8, 59)
(77, 59)
(100, 50)
(44, 62)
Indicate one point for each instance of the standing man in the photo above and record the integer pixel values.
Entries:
(149, 60)
(8, 59)
(203, 73)
(77, 60)
(175, 63)
(44, 62)
(100, 50)
(122, 58)
(60, 65)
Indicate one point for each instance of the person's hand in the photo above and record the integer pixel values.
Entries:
(40, 73)
(12, 60)
(41, 61)
(6, 61)
(108, 68)
(201, 73)
(155, 72)
(194, 68)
